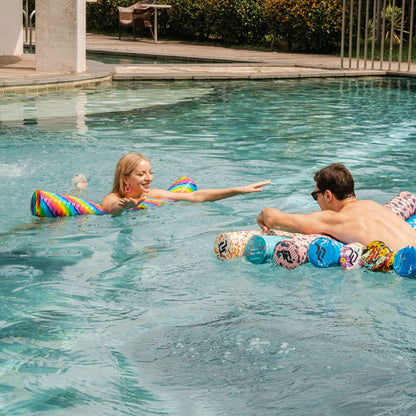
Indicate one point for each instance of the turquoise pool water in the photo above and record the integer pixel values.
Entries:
(135, 316)
(129, 59)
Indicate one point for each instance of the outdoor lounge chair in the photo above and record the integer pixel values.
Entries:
(137, 15)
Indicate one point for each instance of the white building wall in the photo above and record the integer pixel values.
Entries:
(60, 35)
(11, 27)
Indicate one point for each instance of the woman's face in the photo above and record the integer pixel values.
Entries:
(141, 178)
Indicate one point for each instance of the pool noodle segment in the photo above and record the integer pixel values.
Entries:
(350, 256)
(293, 252)
(412, 221)
(404, 263)
(48, 204)
(183, 185)
(403, 204)
(325, 252)
(259, 249)
(231, 245)
(378, 257)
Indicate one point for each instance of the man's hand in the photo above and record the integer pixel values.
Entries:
(264, 217)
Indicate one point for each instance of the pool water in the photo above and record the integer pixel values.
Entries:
(134, 59)
(134, 315)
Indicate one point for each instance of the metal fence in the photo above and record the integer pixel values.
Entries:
(372, 29)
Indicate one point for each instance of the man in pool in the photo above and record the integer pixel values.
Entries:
(342, 216)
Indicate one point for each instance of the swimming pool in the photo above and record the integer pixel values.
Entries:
(131, 59)
(135, 316)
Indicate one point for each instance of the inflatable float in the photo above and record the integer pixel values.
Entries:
(291, 250)
(48, 204)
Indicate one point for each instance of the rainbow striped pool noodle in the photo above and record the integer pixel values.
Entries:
(48, 204)
(183, 185)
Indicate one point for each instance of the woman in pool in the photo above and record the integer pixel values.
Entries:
(134, 176)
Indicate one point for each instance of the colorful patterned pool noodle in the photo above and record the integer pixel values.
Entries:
(259, 249)
(403, 205)
(48, 204)
(324, 252)
(404, 263)
(378, 257)
(231, 245)
(293, 252)
(350, 256)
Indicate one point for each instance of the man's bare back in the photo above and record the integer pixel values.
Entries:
(365, 221)
(342, 216)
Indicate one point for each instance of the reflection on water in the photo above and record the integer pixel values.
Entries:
(74, 107)
(135, 316)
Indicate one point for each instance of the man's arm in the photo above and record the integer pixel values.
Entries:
(320, 222)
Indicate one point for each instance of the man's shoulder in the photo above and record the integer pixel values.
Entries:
(360, 204)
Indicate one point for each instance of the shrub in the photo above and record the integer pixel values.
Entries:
(232, 21)
(187, 19)
(306, 24)
(238, 21)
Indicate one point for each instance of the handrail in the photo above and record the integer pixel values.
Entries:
(30, 29)
(25, 24)
(26, 13)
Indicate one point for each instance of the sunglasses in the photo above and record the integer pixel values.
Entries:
(315, 195)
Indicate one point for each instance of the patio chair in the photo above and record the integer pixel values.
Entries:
(142, 16)
(135, 16)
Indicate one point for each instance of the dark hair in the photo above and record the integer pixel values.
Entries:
(337, 179)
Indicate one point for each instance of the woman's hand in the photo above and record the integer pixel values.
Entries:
(122, 204)
(127, 203)
(253, 187)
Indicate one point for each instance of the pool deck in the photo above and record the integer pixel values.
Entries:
(18, 74)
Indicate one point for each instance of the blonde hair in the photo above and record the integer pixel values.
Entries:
(125, 167)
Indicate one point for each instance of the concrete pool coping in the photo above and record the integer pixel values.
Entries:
(18, 74)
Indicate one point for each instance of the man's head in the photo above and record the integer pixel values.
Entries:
(337, 179)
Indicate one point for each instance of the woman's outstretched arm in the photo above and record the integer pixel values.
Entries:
(204, 195)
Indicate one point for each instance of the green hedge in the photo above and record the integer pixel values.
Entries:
(231, 21)
(302, 24)
(306, 24)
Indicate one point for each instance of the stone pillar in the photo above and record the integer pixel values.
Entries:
(60, 35)
(11, 27)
